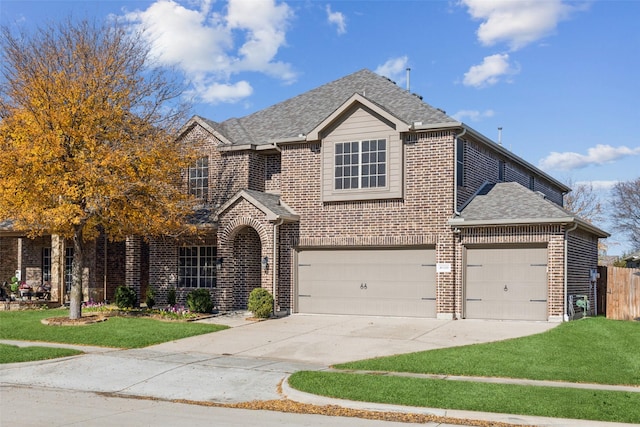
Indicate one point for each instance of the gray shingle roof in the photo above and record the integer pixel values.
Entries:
(304, 112)
(511, 201)
(271, 202)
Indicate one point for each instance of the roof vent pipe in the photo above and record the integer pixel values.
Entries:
(408, 79)
(500, 135)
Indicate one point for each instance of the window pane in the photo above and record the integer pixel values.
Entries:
(381, 181)
(365, 146)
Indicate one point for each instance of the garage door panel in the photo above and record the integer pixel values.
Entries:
(397, 282)
(506, 283)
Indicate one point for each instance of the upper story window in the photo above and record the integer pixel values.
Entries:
(532, 183)
(459, 162)
(361, 164)
(501, 170)
(199, 178)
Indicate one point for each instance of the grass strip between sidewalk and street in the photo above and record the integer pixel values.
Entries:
(15, 354)
(614, 406)
(117, 332)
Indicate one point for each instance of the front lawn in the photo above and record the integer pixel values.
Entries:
(15, 354)
(592, 350)
(118, 332)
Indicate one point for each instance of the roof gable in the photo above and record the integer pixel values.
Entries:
(269, 204)
(357, 100)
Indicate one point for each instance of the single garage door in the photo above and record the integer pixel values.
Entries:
(387, 282)
(506, 283)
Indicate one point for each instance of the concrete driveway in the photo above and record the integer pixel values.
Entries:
(327, 340)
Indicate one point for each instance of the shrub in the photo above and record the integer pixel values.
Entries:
(125, 297)
(171, 297)
(150, 299)
(260, 303)
(199, 301)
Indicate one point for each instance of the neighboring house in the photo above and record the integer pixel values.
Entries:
(355, 197)
(633, 260)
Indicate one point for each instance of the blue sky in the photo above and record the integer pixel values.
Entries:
(559, 77)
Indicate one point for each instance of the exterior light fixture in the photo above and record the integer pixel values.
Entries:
(265, 263)
(219, 264)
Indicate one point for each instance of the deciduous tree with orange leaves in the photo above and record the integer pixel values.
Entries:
(87, 145)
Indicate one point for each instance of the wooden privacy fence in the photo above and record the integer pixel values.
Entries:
(623, 293)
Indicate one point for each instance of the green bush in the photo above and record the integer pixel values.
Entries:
(260, 303)
(125, 297)
(150, 299)
(171, 297)
(199, 301)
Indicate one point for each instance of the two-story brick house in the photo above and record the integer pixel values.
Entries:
(357, 197)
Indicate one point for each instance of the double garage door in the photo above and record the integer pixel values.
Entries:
(506, 283)
(383, 282)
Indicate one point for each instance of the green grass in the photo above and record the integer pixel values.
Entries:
(119, 332)
(15, 354)
(500, 398)
(592, 350)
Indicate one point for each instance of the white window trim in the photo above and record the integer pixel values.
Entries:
(359, 176)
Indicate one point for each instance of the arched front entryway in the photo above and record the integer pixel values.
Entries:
(247, 250)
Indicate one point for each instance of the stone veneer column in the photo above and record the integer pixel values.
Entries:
(132, 264)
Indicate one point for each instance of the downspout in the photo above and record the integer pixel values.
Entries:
(275, 264)
(456, 213)
(566, 251)
(455, 172)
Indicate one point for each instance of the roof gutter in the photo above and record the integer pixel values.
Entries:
(461, 222)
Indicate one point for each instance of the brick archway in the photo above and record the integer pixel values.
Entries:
(242, 244)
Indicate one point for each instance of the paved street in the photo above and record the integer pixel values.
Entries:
(33, 406)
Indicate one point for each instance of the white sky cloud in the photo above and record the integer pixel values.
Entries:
(490, 71)
(338, 19)
(598, 185)
(517, 23)
(214, 93)
(598, 155)
(395, 69)
(201, 42)
(473, 115)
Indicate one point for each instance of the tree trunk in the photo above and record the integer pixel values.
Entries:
(77, 267)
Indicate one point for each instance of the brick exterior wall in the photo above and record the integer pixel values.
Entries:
(8, 258)
(481, 165)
